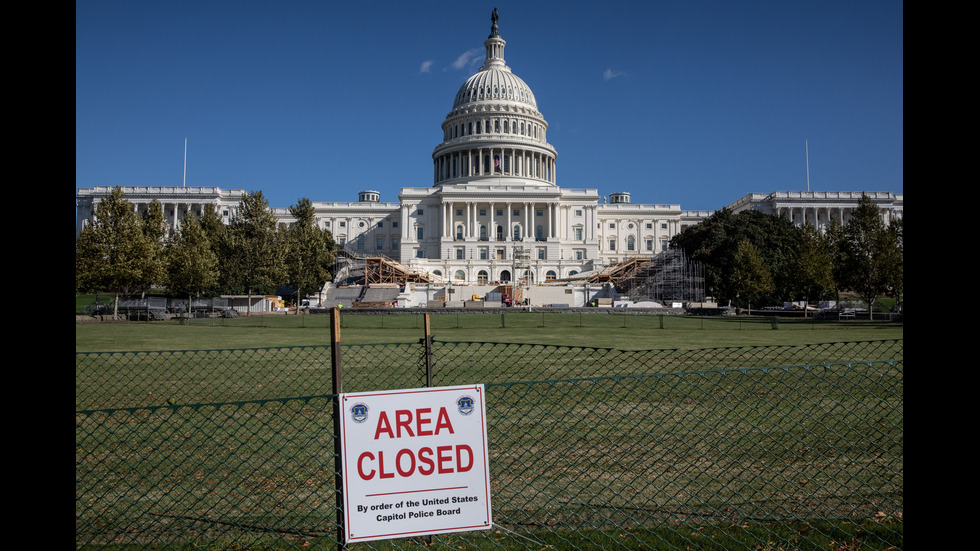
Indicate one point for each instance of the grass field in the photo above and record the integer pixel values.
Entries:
(629, 332)
(229, 449)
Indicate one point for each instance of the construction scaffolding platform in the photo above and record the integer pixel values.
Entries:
(667, 277)
(379, 269)
(355, 270)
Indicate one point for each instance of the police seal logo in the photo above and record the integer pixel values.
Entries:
(465, 405)
(359, 413)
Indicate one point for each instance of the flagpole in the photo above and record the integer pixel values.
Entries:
(806, 146)
(185, 162)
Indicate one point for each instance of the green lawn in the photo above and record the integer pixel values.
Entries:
(632, 332)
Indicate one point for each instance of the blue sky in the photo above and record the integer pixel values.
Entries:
(692, 102)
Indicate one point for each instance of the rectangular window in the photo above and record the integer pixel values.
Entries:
(483, 212)
(381, 243)
(649, 244)
(419, 212)
(326, 224)
(612, 244)
(578, 234)
(500, 212)
(579, 255)
(394, 224)
(663, 226)
(459, 212)
(394, 243)
(649, 226)
(419, 253)
(500, 254)
(517, 212)
(612, 225)
(484, 253)
(419, 233)
(539, 212)
(460, 253)
(343, 241)
(578, 213)
(542, 254)
(343, 224)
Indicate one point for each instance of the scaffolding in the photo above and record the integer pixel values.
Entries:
(668, 277)
(355, 270)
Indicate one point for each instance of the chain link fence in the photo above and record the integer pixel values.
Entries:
(590, 448)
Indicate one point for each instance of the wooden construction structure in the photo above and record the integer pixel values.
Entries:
(379, 269)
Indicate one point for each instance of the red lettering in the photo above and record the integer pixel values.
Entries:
(443, 421)
(420, 420)
(381, 467)
(384, 426)
(360, 466)
(444, 459)
(398, 463)
(427, 466)
(459, 460)
(403, 419)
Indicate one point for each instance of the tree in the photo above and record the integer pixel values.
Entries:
(253, 255)
(811, 267)
(310, 251)
(155, 231)
(113, 253)
(751, 277)
(715, 241)
(869, 255)
(192, 265)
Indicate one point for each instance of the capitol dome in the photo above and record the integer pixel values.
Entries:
(494, 129)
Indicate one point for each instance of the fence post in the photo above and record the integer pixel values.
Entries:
(336, 360)
(428, 351)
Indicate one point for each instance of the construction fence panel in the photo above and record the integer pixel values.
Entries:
(589, 448)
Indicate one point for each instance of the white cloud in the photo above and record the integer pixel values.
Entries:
(609, 74)
(466, 58)
(426, 66)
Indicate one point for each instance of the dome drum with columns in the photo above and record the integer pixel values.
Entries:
(494, 210)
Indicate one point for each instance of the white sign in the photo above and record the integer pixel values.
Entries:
(414, 462)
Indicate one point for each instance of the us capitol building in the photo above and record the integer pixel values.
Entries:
(495, 207)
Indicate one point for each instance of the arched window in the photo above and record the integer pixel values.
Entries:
(631, 243)
(483, 233)
(500, 233)
(471, 129)
(539, 233)
(550, 276)
(459, 231)
(517, 233)
(360, 242)
(482, 277)
(505, 275)
(460, 275)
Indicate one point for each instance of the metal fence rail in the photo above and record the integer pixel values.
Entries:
(589, 448)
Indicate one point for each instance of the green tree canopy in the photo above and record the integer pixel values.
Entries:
(253, 255)
(869, 256)
(114, 254)
(750, 278)
(715, 242)
(155, 230)
(192, 264)
(811, 267)
(310, 251)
